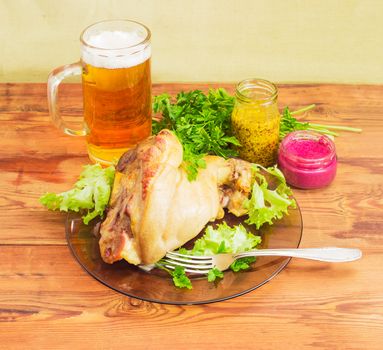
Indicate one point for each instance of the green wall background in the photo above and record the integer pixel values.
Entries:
(206, 40)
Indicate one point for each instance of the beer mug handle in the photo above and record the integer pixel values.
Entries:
(54, 80)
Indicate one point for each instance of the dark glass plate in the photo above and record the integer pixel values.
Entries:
(157, 286)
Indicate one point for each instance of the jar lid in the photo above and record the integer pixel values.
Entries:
(308, 149)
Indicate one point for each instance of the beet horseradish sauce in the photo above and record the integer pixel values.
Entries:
(307, 159)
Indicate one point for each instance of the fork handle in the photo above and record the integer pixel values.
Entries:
(329, 254)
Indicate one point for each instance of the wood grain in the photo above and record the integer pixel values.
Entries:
(48, 302)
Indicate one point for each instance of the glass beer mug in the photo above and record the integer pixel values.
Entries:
(116, 83)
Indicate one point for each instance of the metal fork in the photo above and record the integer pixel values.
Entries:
(203, 264)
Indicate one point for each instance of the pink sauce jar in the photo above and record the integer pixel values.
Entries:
(307, 159)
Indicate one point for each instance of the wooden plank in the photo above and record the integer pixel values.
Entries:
(47, 301)
(36, 158)
(350, 205)
(52, 302)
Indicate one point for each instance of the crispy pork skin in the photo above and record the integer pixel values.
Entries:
(154, 208)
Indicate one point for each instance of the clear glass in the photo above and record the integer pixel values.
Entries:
(255, 121)
(156, 285)
(116, 80)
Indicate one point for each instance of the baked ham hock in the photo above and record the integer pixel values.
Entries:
(154, 208)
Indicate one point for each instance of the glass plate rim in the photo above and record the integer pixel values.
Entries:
(180, 303)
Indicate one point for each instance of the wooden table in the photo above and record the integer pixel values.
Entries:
(47, 301)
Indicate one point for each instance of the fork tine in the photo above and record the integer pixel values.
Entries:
(185, 259)
(189, 265)
(196, 271)
(191, 257)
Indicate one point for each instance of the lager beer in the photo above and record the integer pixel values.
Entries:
(116, 82)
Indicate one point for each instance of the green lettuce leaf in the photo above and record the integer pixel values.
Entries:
(266, 205)
(224, 239)
(90, 193)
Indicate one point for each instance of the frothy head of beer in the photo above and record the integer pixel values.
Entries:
(114, 40)
(115, 49)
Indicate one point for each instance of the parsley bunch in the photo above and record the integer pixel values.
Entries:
(201, 123)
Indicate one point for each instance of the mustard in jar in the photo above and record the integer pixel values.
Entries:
(255, 121)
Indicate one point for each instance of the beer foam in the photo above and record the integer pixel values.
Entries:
(116, 49)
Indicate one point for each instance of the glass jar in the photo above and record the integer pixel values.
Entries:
(307, 159)
(255, 121)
